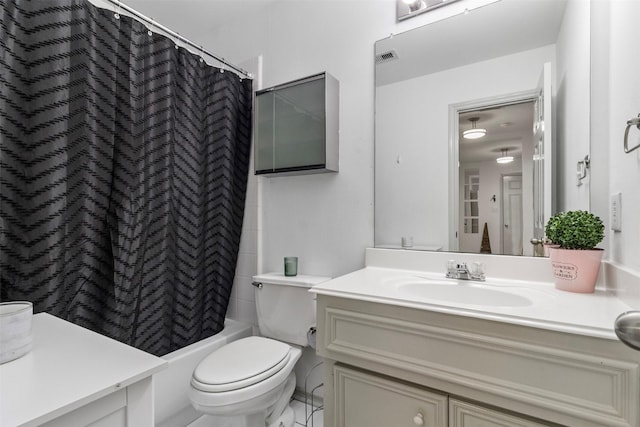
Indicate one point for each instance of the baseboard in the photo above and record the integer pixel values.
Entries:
(182, 418)
(303, 397)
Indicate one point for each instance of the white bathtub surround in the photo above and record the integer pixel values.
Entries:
(172, 405)
(74, 376)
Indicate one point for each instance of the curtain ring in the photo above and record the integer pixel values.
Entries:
(201, 53)
(117, 10)
(151, 27)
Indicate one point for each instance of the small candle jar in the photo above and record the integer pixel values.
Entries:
(290, 265)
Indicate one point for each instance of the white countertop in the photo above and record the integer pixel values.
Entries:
(552, 309)
(412, 247)
(68, 367)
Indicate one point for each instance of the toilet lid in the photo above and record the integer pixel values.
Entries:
(240, 364)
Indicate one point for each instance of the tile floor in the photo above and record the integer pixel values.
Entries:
(315, 420)
(298, 407)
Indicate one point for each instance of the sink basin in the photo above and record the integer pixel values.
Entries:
(467, 294)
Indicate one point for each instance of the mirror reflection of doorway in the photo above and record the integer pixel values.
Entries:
(500, 160)
(511, 215)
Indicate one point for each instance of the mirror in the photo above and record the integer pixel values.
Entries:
(431, 80)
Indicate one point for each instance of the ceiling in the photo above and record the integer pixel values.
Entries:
(508, 127)
(497, 29)
(194, 18)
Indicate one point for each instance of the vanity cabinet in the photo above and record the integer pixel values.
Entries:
(365, 399)
(465, 414)
(404, 361)
(75, 377)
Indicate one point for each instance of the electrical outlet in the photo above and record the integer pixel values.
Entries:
(616, 212)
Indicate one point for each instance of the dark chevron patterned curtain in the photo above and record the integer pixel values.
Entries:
(124, 163)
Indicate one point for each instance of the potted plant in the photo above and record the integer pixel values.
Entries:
(551, 232)
(576, 260)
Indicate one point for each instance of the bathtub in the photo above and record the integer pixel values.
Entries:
(171, 402)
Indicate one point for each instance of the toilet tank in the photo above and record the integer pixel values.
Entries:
(285, 307)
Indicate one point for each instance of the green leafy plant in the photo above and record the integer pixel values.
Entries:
(575, 230)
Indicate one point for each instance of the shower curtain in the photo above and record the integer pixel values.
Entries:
(123, 171)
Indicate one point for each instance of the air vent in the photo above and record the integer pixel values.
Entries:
(386, 56)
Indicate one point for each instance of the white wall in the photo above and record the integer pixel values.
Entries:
(415, 194)
(624, 104)
(325, 220)
(572, 104)
(599, 137)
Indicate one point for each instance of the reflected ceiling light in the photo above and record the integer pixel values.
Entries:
(505, 158)
(415, 4)
(474, 132)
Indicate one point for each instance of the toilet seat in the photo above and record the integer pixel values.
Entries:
(238, 398)
(240, 364)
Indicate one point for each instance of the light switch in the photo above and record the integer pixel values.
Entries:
(616, 212)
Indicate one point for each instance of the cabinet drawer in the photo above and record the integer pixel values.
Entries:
(465, 414)
(366, 400)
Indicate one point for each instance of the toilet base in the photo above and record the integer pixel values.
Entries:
(286, 419)
(277, 412)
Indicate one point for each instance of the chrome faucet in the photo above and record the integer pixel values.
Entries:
(461, 271)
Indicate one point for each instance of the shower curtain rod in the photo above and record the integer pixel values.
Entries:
(153, 25)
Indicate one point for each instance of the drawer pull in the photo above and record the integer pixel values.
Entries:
(418, 419)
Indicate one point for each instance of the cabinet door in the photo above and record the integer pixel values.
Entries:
(465, 414)
(296, 127)
(366, 400)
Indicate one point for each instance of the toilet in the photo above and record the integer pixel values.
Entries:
(249, 382)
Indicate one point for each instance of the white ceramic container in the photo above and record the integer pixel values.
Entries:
(15, 330)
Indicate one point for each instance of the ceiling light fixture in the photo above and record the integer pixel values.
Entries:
(415, 4)
(505, 158)
(474, 132)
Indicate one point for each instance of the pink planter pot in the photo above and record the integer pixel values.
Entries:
(576, 270)
(547, 249)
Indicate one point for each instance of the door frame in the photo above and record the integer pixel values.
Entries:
(502, 198)
(454, 152)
